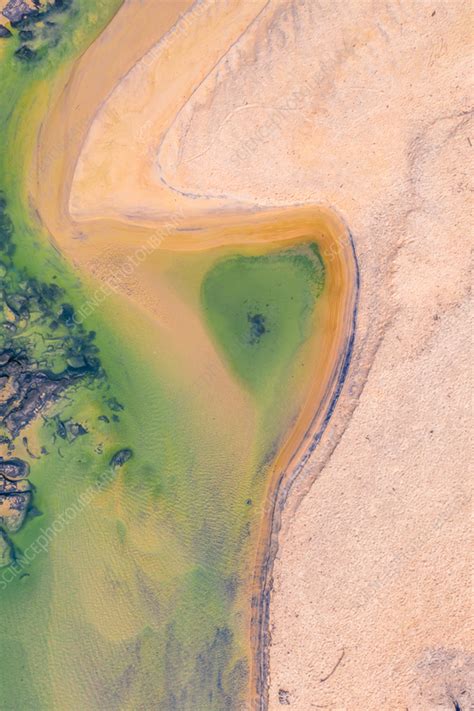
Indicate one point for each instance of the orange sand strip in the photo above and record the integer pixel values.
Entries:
(99, 194)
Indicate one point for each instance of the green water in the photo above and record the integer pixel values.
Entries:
(259, 309)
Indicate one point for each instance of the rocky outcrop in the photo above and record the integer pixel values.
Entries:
(43, 352)
(16, 10)
(14, 469)
(13, 510)
(15, 494)
(31, 390)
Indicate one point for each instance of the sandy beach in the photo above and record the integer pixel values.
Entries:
(364, 109)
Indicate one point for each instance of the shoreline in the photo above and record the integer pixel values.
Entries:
(59, 222)
(287, 478)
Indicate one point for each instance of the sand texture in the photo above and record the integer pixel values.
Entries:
(365, 107)
(361, 107)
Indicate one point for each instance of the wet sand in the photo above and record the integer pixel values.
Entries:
(370, 113)
(78, 174)
(365, 109)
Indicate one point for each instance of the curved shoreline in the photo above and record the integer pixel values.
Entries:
(264, 574)
(59, 223)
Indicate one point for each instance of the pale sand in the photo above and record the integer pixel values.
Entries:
(363, 106)
(99, 193)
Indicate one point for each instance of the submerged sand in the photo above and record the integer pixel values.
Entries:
(364, 108)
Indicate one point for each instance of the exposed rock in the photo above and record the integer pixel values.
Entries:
(13, 509)
(33, 391)
(14, 469)
(16, 10)
(4, 31)
(37, 362)
(5, 357)
(14, 487)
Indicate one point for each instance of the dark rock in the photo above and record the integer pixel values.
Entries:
(13, 510)
(93, 364)
(25, 35)
(14, 487)
(120, 457)
(103, 418)
(16, 10)
(34, 392)
(18, 304)
(4, 31)
(14, 469)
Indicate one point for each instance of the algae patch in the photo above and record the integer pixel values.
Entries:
(259, 310)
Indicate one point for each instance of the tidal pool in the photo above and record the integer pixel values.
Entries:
(179, 401)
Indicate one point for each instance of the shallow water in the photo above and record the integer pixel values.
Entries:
(202, 376)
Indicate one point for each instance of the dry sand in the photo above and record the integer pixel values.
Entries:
(365, 106)
(362, 106)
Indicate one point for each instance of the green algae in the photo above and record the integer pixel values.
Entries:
(259, 310)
